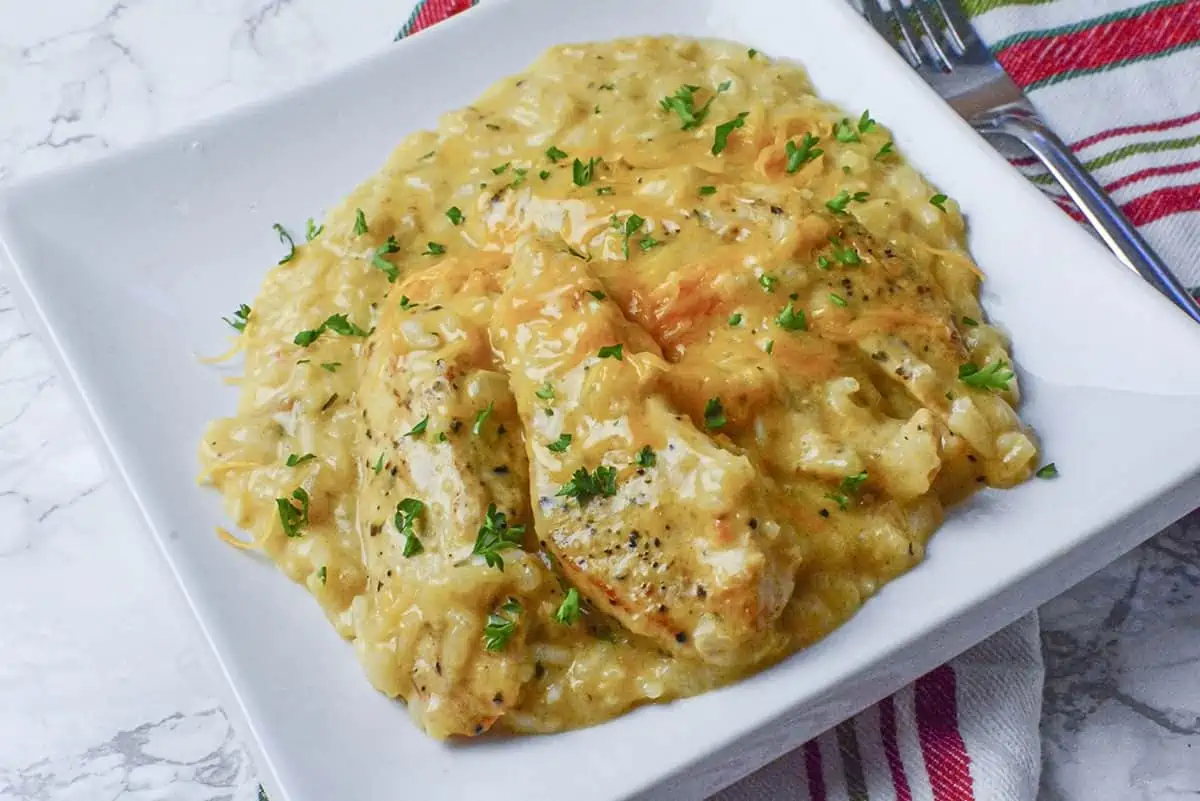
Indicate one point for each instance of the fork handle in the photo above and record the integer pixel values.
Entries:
(1105, 216)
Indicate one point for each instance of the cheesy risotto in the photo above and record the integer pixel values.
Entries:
(640, 373)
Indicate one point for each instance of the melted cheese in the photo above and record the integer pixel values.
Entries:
(790, 346)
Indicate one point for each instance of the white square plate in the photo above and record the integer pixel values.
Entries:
(128, 264)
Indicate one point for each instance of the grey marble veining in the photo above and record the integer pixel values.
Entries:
(104, 693)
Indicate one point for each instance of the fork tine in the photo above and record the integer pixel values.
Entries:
(932, 39)
(899, 18)
(883, 26)
(957, 27)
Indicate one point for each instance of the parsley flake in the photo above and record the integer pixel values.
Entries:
(846, 255)
(293, 460)
(839, 202)
(735, 318)
(406, 304)
(714, 414)
(312, 230)
(683, 103)
(597, 294)
(322, 573)
(721, 135)
(481, 418)
(240, 318)
(330, 367)
(360, 222)
(1047, 471)
(419, 428)
(647, 243)
(568, 610)
(939, 200)
(407, 511)
(799, 155)
(970, 321)
(433, 249)
(496, 535)
(865, 123)
(792, 319)
(545, 391)
(337, 323)
(646, 457)
(581, 173)
(501, 168)
(708, 190)
(554, 154)
(378, 468)
(455, 215)
(844, 132)
(377, 259)
(292, 517)
(884, 151)
(286, 238)
(768, 282)
(560, 445)
(631, 226)
(611, 352)
(544, 174)
(991, 376)
(837, 299)
(501, 626)
(585, 486)
(769, 347)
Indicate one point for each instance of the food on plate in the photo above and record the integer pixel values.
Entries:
(640, 373)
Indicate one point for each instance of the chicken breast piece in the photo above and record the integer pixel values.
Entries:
(656, 521)
(442, 457)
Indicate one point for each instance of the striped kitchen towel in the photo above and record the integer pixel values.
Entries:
(1120, 81)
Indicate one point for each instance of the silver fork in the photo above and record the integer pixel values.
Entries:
(936, 39)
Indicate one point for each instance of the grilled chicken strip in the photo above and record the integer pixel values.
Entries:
(442, 457)
(655, 519)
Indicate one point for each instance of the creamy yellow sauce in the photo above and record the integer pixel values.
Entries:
(707, 338)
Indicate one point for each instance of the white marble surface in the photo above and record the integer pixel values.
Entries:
(104, 693)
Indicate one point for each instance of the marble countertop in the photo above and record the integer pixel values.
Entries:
(104, 691)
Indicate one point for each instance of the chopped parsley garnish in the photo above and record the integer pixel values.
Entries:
(839, 202)
(646, 457)
(455, 215)
(407, 511)
(501, 168)
(442, 437)
(714, 414)
(648, 243)
(293, 517)
(597, 294)
(611, 352)
(735, 318)
(846, 255)
(840, 498)
(837, 299)
(708, 190)
(545, 391)
(406, 304)
(584, 486)
(286, 238)
(865, 123)
(560, 445)
(419, 428)
(939, 200)
(240, 317)
(991, 376)
(630, 227)
(568, 610)
(378, 468)
(768, 282)
(330, 367)
(852, 484)
(377, 259)
(582, 173)
(336, 323)
(806, 151)
(481, 418)
(360, 222)
(751, 53)
(501, 626)
(885, 151)
(312, 230)
(495, 535)
(721, 135)
(823, 262)
(792, 319)
(769, 347)
(544, 174)
(554, 154)
(520, 179)
(844, 132)
(293, 460)
(322, 573)
(970, 321)
(433, 249)
(683, 103)
(1047, 471)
